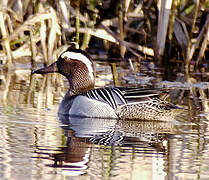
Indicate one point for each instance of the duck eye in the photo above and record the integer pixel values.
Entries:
(65, 58)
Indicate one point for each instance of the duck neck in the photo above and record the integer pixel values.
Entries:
(80, 85)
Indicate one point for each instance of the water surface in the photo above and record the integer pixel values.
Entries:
(37, 144)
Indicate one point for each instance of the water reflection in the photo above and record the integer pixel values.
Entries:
(88, 141)
(36, 144)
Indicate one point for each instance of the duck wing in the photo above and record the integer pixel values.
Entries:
(117, 96)
(132, 94)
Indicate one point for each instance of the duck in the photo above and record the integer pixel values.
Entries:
(84, 100)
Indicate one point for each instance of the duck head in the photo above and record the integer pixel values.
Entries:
(77, 66)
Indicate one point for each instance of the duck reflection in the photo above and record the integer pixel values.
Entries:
(80, 133)
(83, 134)
(75, 155)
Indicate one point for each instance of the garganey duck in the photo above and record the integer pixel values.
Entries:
(83, 100)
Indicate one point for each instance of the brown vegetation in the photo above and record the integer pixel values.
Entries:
(174, 30)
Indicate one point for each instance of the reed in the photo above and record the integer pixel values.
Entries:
(38, 28)
(77, 26)
(5, 39)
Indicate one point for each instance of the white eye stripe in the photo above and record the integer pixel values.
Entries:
(82, 58)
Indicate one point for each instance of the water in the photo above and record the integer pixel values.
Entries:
(37, 144)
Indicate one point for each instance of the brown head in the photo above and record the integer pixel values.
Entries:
(77, 66)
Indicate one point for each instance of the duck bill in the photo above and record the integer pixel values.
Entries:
(48, 69)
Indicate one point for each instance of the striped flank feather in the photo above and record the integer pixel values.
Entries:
(112, 96)
(117, 96)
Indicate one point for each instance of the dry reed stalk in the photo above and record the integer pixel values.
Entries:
(127, 4)
(114, 73)
(24, 50)
(43, 40)
(65, 14)
(43, 32)
(86, 38)
(196, 44)
(10, 25)
(77, 26)
(172, 19)
(138, 7)
(190, 46)
(204, 43)
(131, 65)
(121, 30)
(163, 19)
(181, 34)
(72, 11)
(33, 49)
(5, 38)
(145, 50)
(100, 33)
(120, 41)
(54, 31)
(195, 16)
(4, 3)
(133, 30)
(32, 20)
(26, 6)
(19, 10)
